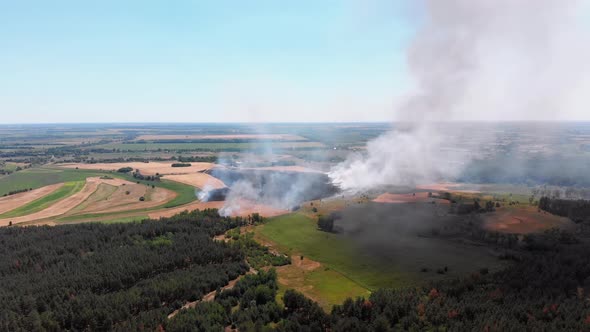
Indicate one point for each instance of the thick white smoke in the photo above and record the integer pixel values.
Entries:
(488, 60)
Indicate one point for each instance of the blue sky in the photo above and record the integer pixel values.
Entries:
(201, 61)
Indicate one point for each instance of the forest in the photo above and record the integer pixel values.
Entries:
(131, 276)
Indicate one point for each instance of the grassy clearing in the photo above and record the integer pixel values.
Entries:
(323, 285)
(298, 234)
(398, 266)
(68, 189)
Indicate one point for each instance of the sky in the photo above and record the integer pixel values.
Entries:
(212, 61)
(201, 61)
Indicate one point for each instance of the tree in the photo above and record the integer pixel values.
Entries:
(326, 223)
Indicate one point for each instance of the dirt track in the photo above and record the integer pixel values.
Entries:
(12, 202)
(150, 168)
(211, 295)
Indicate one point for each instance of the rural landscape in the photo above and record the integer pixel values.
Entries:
(314, 166)
(265, 213)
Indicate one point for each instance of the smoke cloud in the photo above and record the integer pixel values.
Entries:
(476, 60)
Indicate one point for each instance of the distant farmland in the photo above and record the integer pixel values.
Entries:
(217, 146)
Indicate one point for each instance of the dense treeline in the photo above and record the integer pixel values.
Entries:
(105, 277)
(202, 159)
(576, 210)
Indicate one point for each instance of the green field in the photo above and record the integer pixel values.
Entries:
(298, 234)
(68, 189)
(40, 177)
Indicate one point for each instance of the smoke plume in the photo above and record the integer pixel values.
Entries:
(503, 60)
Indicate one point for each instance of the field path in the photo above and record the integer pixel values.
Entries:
(12, 202)
(63, 205)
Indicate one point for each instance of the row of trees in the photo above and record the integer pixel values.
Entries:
(576, 210)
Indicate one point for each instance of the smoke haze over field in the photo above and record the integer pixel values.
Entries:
(476, 60)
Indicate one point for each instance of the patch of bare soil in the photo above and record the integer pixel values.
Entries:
(150, 168)
(420, 197)
(12, 202)
(523, 220)
(199, 180)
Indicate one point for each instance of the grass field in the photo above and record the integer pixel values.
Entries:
(68, 189)
(298, 234)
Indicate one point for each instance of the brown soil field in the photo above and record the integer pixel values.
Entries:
(523, 220)
(150, 168)
(284, 137)
(12, 202)
(64, 205)
(421, 197)
(119, 200)
(199, 180)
